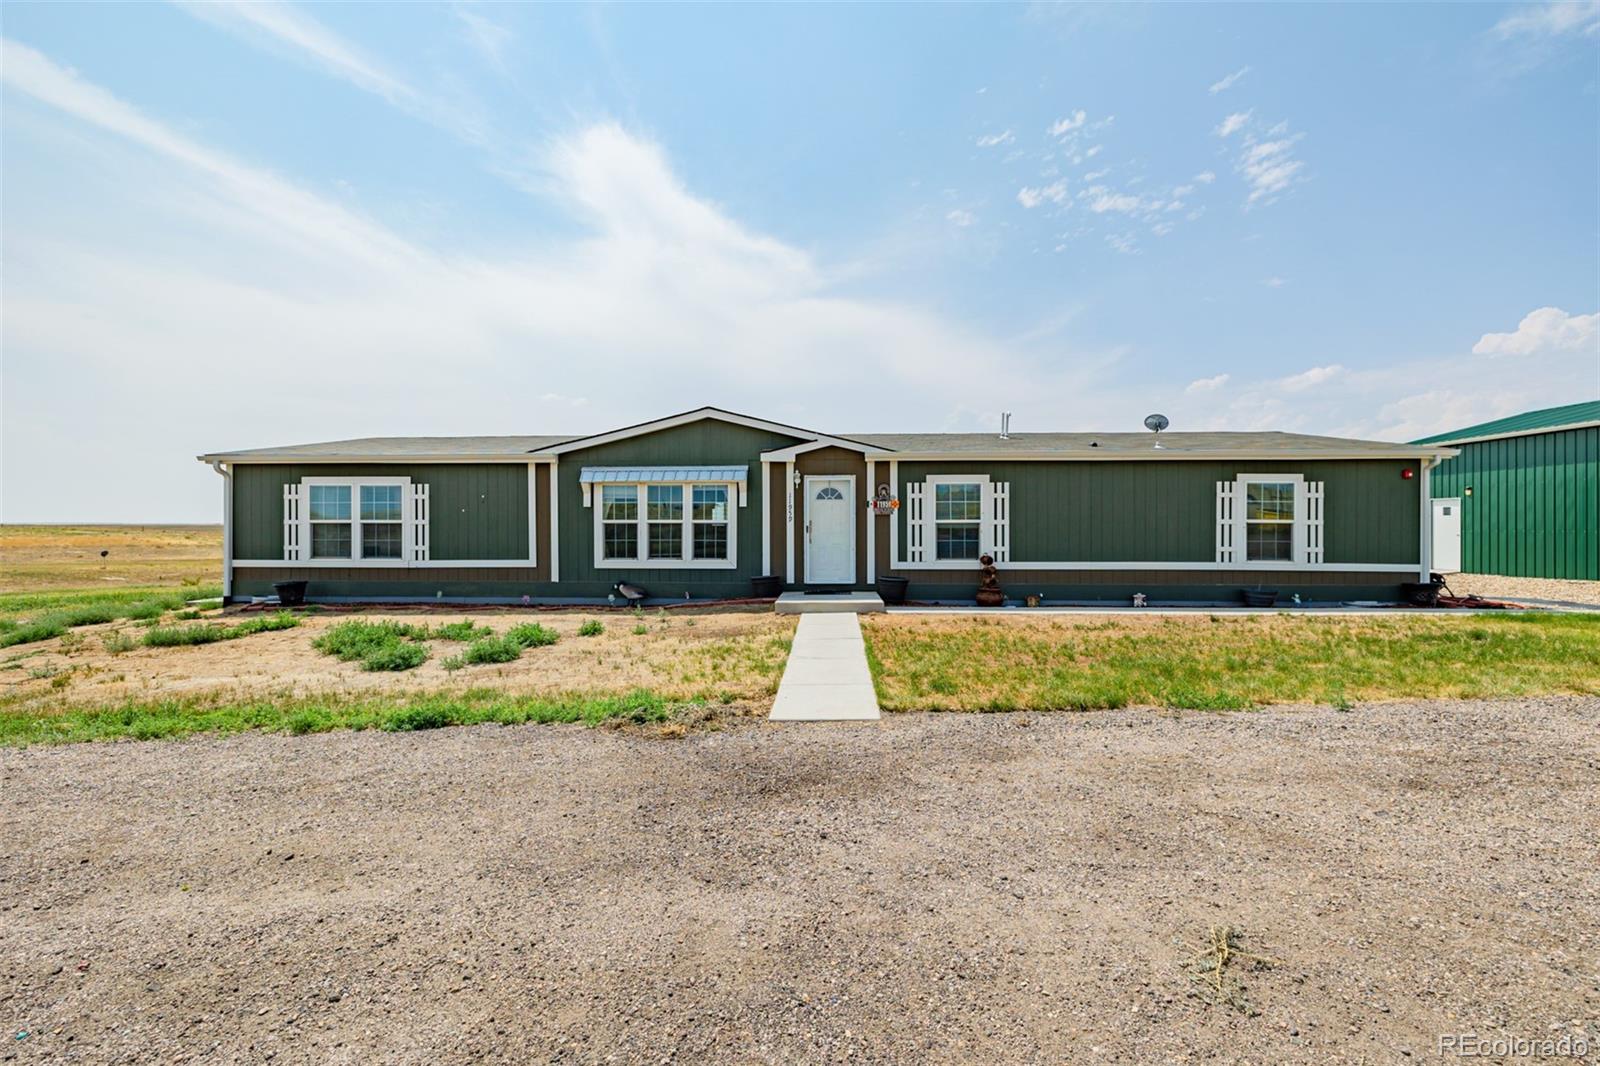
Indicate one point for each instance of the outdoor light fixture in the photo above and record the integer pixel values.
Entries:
(1468, 490)
(797, 479)
(1407, 474)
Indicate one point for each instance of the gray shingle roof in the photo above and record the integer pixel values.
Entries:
(1127, 444)
(400, 448)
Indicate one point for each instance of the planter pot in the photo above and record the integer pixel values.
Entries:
(290, 593)
(766, 587)
(1260, 597)
(892, 589)
(991, 598)
(1420, 595)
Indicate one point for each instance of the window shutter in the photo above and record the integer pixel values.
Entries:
(418, 522)
(1225, 527)
(916, 522)
(291, 523)
(1313, 536)
(997, 520)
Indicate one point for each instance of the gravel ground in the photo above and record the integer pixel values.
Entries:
(1543, 590)
(991, 888)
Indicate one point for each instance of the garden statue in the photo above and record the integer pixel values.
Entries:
(989, 594)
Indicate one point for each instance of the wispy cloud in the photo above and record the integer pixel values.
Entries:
(1228, 82)
(1063, 126)
(993, 140)
(1307, 379)
(1549, 329)
(1055, 193)
(1274, 282)
(1566, 17)
(961, 218)
(1205, 177)
(488, 38)
(1211, 384)
(1233, 124)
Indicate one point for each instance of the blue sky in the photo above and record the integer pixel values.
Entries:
(230, 226)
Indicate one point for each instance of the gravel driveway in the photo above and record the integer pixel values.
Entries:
(989, 888)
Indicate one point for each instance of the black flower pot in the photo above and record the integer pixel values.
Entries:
(892, 589)
(766, 587)
(1260, 597)
(290, 593)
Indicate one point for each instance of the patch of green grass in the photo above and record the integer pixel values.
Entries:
(25, 603)
(149, 720)
(178, 636)
(397, 655)
(640, 630)
(592, 628)
(532, 635)
(29, 617)
(44, 628)
(492, 650)
(453, 663)
(1209, 663)
(464, 630)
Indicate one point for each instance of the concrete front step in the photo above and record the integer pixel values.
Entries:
(829, 603)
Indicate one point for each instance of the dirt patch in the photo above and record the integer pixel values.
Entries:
(1541, 590)
(40, 558)
(724, 654)
(997, 888)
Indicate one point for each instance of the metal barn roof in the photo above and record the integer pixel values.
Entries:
(1570, 415)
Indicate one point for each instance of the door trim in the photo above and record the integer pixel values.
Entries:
(850, 497)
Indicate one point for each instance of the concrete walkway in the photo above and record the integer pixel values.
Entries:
(826, 679)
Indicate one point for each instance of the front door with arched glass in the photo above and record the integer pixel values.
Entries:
(830, 530)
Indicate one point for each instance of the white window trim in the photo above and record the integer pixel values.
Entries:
(354, 484)
(687, 562)
(1241, 523)
(930, 515)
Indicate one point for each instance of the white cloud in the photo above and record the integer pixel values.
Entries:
(1233, 123)
(1552, 20)
(993, 139)
(1205, 177)
(1100, 200)
(184, 257)
(1123, 242)
(1228, 82)
(1055, 192)
(961, 218)
(487, 37)
(1063, 126)
(1211, 384)
(1306, 379)
(1274, 282)
(1548, 329)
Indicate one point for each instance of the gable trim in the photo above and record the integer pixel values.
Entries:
(699, 414)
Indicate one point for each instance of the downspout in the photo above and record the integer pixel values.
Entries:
(1425, 489)
(227, 529)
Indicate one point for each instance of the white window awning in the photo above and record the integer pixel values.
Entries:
(664, 475)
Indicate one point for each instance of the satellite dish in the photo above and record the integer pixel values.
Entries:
(1156, 423)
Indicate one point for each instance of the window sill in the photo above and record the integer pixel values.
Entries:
(666, 564)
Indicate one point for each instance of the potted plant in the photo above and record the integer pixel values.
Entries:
(892, 589)
(1260, 597)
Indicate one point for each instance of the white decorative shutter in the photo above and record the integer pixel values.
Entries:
(997, 519)
(418, 520)
(1313, 536)
(1225, 526)
(916, 524)
(291, 523)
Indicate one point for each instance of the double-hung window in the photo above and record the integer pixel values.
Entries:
(329, 513)
(674, 524)
(382, 535)
(957, 517)
(1269, 517)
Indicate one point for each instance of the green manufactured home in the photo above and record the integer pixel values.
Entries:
(1522, 497)
(698, 504)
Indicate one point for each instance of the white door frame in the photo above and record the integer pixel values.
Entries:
(850, 499)
(1433, 531)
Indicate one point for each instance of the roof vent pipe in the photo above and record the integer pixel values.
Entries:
(1005, 425)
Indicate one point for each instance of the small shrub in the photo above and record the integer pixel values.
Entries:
(592, 628)
(532, 635)
(43, 628)
(90, 614)
(423, 716)
(181, 636)
(267, 623)
(352, 640)
(465, 630)
(454, 663)
(187, 616)
(493, 650)
(117, 642)
(396, 655)
(640, 630)
(146, 610)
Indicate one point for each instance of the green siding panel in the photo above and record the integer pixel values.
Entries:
(475, 510)
(1154, 511)
(705, 443)
(1535, 504)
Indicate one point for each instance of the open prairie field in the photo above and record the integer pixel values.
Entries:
(62, 558)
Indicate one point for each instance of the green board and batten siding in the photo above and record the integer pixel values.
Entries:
(475, 510)
(1535, 504)
(705, 443)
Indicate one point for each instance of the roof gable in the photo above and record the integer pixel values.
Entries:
(699, 414)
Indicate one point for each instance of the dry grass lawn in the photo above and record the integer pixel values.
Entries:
(1021, 662)
(49, 558)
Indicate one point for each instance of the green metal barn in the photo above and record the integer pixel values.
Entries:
(1523, 497)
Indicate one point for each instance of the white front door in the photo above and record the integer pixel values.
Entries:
(1447, 535)
(830, 530)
